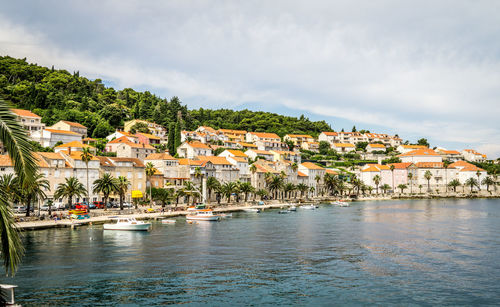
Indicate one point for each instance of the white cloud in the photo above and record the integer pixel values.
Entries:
(431, 69)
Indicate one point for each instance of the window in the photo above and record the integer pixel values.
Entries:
(129, 175)
(56, 174)
(139, 175)
(139, 185)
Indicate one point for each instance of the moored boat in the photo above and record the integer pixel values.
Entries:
(127, 223)
(225, 215)
(308, 207)
(292, 208)
(203, 215)
(168, 221)
(252, 210)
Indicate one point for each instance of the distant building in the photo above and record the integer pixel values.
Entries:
(472, 155)
(343, 147)
(407, 148)
(375, 147)
(330, 137)
(50, 137)
(154, 129)
(298, 139)
(191, 150)
(70, 126)
(421, 155)
(29, 120)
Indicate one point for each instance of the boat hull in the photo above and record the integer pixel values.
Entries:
(202, 218)
(135, 227)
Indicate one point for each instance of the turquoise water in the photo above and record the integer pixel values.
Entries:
(424, 252)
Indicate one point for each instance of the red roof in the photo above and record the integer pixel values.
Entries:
(24, 113)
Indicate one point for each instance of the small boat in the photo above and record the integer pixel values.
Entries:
(283, 211)
(341, 203)
(127, 223)
(308, 207)
(203, 215)
(252, 210)
(168, 221)
(225, 215)
(292, 208)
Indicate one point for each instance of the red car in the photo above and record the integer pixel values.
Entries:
(81, 206)
(98, 204)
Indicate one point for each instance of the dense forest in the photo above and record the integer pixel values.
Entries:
(60, 95)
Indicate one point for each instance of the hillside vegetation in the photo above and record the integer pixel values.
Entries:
(60, 95)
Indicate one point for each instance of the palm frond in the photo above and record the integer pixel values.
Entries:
(15, 140)
(11, 246)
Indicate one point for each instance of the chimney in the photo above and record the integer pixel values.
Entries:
(69, 151)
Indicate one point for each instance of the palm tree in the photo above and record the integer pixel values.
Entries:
(478, 174)
(275, 184)
(385, 187)
(420, 188)
(376, 180)
(246, 187)
(253, 168)
(454, 184)
(446, 163)
(150, 171)
(34, 190)
(189, 190)
(261, 193)
(302, 188)
(86, 158)
(123, 184)
(312, 189)
(9, 186)
(71, 187)
(410, 178)
(228, 188)
(472, 182)
(288, 188)
(487, 181)
(198, 174)
(428, 176)
(162, 195)
(402, 187)
(317, 179)
(212, 184)
(106, 185)
(295, 167)
(392, 167)
(16, 142)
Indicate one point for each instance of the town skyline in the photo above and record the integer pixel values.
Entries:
(375, 69)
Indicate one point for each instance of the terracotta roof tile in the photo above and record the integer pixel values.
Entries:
(311, 165)
(74, 124)
(61, 131)
(160, 156)
(24, 113)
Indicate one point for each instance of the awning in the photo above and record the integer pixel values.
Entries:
(136, 194)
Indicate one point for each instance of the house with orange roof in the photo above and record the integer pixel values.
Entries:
(343, 147)
(154, 128)
(282, 155)
(148, 138)
(421, 155)
(225, 171)
(255, 153)
(29, 120)
(233, 135)
(127, 149)
(70, 126)
(165, 163)
(193, 149)
(233, 153)
(329, 136)
(375, 147)
(463, 170)
(76, 167)
(258, 175)
(369, 171)
(450, 155)
(119, 133)
(311, 146)
(74, 146)
(247, 145)
(193, 136)
(407, 148)
(473, 156)
(49, 137)
(265, 140)
(298, 139)
(313, 172)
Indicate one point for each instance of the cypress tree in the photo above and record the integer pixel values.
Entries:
(171, 139)
(177, 135)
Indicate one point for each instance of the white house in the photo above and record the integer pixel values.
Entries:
(330, 137)
(312, 171)
(224, 170)
(254, 153)
(70, 126)
(472, 155)
(407, 148)
(191, 150)
(375, 147)
(421, 155)
(29, 120)
(343, 147)
(50, 137)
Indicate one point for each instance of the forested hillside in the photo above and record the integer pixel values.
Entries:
(59, 95)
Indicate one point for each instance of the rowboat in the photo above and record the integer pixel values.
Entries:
(127, 223)
(203, 215)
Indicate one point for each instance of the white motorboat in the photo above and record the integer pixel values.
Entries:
(308, 207)
(225, 215)
(252, 210)
(292, 208)
(341, 203)
(203, 215)
(168, 221)
(127, 223)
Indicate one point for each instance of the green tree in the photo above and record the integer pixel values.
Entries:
(302, 188)
(423, 142)
(454, 184)
(376, 180)
(410, 180)
(86, 158)
(70, 188)
(171, 138)
(212, 185)
(33, 190)
(106, 185)
(472, 182)
(246, 187)
(177, 135)
(261, 193)
(487, 181)
(150, 171)
(162, 195)
(428, 176)
(122, 188)
(402, 187)
(385, 187)
(228, 188)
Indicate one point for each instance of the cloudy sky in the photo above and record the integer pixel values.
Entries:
(428, 70)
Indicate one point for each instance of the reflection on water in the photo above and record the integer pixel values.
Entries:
(436, 252)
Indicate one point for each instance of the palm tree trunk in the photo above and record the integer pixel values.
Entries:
(28, 205)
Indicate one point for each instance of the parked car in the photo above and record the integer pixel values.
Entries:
(80, 206)
(58, 206)
(44, 207)
(98, 205)
(126, 205)
(19, 209)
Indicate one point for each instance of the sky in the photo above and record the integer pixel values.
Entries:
(416, 68)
